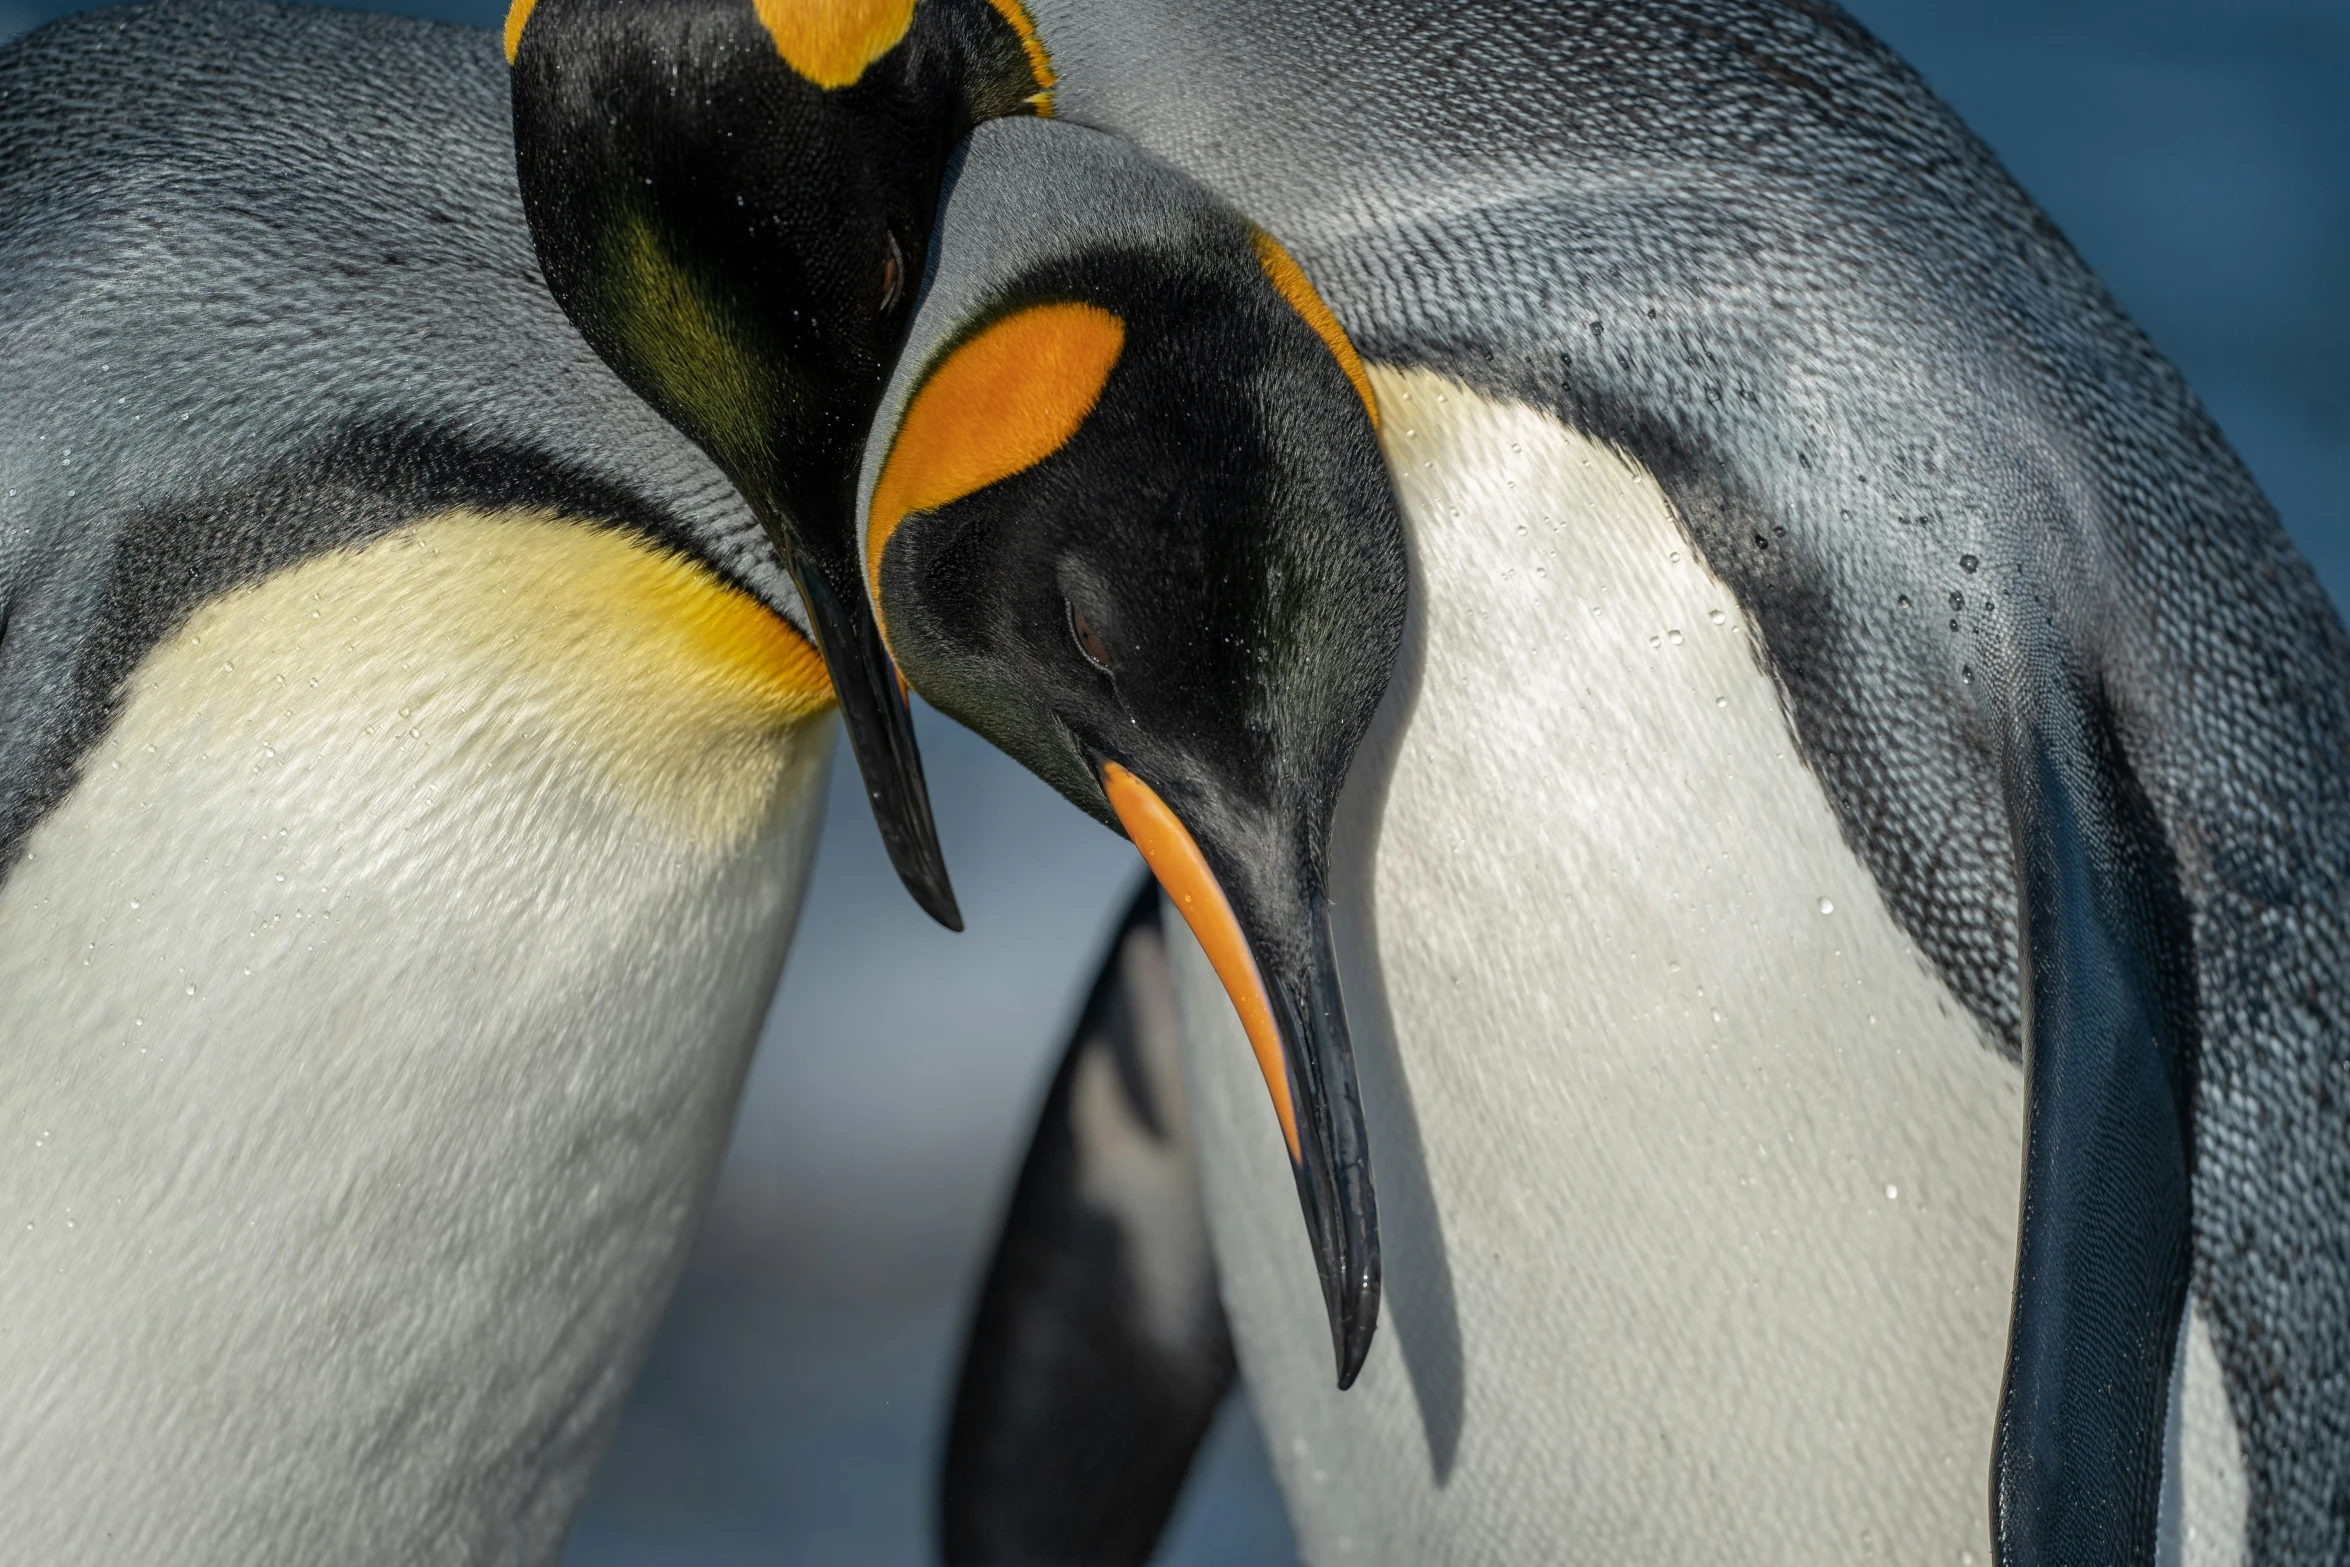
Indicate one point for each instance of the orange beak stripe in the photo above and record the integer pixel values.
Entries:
(1167, 848)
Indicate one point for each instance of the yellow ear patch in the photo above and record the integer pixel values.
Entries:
(830, 42)
(517, 16)
(1293, 284)
(1040, 64)
(1000, 404)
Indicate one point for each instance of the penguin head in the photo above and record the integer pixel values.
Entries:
(733, 201)
(1127, 517)
(1133, 514)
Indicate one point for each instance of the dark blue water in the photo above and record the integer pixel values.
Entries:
(2195, 153)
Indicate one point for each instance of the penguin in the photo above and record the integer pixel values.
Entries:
(1843, 904)
(765, 334)
(1103, 359)
(411, 758)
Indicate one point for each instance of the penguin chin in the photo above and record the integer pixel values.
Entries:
(982, 694)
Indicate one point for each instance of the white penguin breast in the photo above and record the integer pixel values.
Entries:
(1698, 1191)
(374, 1011)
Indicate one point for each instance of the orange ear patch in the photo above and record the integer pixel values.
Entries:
(830, 42)
(1174, 858)
(1293, 284)
(517, 17)
(1000, 404)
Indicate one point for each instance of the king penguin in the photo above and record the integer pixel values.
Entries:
(1843, 908)
(411, 758)
(1105, 360)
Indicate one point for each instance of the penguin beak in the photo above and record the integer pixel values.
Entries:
(873, 709)
(1296, 1025)
(865, 678)
(621, 164)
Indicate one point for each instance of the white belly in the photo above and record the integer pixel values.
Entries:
(1698, 1192)
(371, 1021)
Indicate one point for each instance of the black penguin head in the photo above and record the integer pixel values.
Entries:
(733, 200)
(1129, 520)
(1182, 554)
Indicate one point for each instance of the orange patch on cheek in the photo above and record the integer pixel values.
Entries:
(1174, 858)
(1293, 285)
(997, 405)
(830, 42)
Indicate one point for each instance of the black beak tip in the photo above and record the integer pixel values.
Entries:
(929, 886)
(901, 808)
(1354, 1316)
(881, 732)
(1347, 1255)
(1333, 1164)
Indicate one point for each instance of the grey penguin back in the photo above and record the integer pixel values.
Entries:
(224, 348)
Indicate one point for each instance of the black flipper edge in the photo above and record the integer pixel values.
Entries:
(2110, 1061)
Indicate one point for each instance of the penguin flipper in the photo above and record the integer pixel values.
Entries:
(1099, 1352)
(2103, 1248)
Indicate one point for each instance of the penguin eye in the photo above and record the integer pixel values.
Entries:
(1089, 641)
(893, 275)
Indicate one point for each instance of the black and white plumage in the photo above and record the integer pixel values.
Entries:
(409, 772)
(1143, 373)
(1850, 665)
(1967, 509)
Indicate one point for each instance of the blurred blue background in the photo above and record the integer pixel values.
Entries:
(2194, 152)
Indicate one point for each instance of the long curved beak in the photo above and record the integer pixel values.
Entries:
(881, 734)
(1296, 1025)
